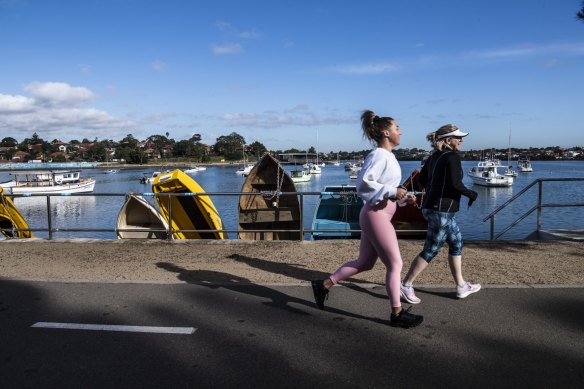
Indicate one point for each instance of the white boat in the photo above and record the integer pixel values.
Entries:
(48, 182)
(486, 174)
(195, 169)
(149, 179)
(509, 171)
(300, 176)
(524, 165)
(111, 171)
(138, 218)
(314, 169)
(244, 170)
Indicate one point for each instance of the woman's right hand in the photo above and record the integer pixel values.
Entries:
(400, 193)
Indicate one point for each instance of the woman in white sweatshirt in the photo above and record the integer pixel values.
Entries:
(378, 184)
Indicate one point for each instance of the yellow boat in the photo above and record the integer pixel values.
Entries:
(10, 219)
(195, 212)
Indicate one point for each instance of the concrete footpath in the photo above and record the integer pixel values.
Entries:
(255, 325)
(272, 336)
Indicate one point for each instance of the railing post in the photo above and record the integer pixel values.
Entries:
(492, 227)
(539, 196)
(301, 216)
(169, 235)
(49, 219)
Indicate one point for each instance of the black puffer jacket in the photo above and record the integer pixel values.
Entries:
(442, 175)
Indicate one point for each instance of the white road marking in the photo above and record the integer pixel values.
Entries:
(122, 328)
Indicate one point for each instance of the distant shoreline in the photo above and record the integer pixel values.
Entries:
(166, 165)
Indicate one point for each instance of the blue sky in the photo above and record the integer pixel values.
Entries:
(293, 73)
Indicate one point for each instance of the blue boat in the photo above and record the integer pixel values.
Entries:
(337, 209)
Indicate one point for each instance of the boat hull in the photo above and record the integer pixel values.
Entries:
(264, 209)
(138, 214)
(86, 186)
(11, 219)
(338, 208)
(191, 212)
(408, 220)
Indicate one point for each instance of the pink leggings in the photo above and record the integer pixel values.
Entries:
(378, 240)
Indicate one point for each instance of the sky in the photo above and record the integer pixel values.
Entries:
(293, 73)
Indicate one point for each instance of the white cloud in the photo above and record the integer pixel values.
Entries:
(251, 34)
(530, 51)
(58, 93)
(230, 48)
(53, 108)
(299, 115)
(15, 104)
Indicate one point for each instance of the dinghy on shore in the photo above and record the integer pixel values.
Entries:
(138, 219)
(11, 219)
(188, 214)
(266, 209)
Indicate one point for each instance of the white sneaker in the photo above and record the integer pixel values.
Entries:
(407, 293)
(466, 289)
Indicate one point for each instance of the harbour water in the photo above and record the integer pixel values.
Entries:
(100, 212)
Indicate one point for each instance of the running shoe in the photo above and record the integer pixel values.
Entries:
(320, 293)
(407, 294)
(405, 319)
(466, 289)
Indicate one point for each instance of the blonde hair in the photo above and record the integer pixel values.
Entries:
(440, 144)
(373, 125)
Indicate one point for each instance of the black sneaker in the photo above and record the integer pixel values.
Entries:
(320, 293)
(405, 319)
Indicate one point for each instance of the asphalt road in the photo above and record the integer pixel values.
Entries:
(257, 336)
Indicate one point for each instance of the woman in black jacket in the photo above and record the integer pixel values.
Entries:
(442, 175)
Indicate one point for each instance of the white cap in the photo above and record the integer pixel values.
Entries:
(451, 133)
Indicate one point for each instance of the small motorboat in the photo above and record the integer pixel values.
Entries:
(486, 174)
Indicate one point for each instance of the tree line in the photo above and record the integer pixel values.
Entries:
(232, 147)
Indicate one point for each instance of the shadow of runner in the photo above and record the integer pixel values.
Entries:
(243, 285)
(291, 270)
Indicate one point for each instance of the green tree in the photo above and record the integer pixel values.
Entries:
(131, 155)
(8, 142)
(159, 142)
(580, 13)
(230, 146)
(257, 149)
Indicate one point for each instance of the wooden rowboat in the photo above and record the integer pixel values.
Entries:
(139, 214)
(266, 209)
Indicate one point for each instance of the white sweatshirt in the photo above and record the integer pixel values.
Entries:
(379, 177)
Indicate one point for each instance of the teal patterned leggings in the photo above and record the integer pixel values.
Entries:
(442, 228)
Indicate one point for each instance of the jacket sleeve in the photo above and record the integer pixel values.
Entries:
(369, 187)
(456, 174)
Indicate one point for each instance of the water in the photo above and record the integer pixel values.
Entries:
(100, 212)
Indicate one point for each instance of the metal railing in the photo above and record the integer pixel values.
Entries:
(538, 207)
(50, 230)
